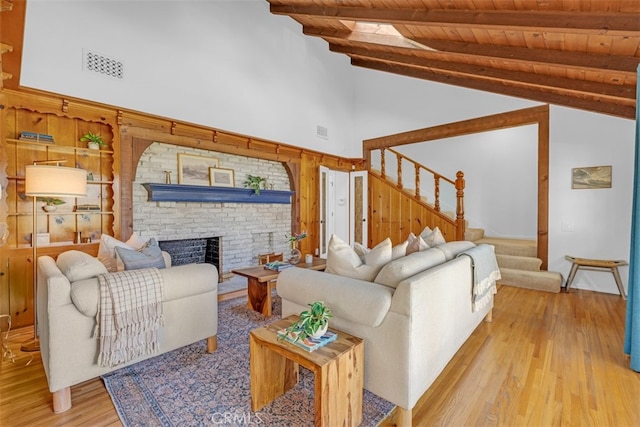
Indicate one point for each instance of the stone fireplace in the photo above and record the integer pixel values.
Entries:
(244, 230)
(198, 250)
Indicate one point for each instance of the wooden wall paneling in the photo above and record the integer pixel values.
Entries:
(309, 203)
(405, 213)
(21, 291)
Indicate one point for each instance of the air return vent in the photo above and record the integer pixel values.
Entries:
(322, 132)
(98, 63)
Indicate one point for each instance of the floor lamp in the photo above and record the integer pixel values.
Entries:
(48, 181)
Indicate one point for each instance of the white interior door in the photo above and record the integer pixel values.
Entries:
(339, 213)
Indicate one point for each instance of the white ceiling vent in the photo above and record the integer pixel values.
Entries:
(322, 132)
(98, 63)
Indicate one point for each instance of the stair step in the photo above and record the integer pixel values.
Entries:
(548, 281)
(519, 262)
(518, 247)
(473, 234)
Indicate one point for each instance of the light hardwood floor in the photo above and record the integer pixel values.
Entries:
(545, 360)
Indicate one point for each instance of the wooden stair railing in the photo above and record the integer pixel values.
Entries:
(457, 185)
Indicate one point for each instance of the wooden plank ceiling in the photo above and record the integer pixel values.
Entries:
(577, 53)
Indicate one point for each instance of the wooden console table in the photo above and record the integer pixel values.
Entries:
(596, 264)
(258, 278)
(338, 370)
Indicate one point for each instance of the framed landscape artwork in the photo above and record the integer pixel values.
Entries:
(194, 170)
(591, 177)
(221, 177)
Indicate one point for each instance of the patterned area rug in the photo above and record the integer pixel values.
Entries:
(189, 387)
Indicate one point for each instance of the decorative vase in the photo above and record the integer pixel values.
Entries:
(295, 255)
(321, 331)
(93, 145)
(49, 208)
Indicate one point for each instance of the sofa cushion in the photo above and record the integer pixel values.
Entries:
(433, 237)
(77, 265)
(343, 260)
(107, 251)
(415, 244)
(397, 251)
(398, 270)
(452, 249)
(86, 293)
(149, 255)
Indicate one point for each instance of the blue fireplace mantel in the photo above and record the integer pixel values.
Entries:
(204, 194)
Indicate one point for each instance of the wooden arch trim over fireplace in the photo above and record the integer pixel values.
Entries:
(528, 116)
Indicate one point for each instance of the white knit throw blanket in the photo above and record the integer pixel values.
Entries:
(129, 315)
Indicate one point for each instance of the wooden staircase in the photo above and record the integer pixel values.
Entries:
(519, 265)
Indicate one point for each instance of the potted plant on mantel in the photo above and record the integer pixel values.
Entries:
(254, 181)
(312, 323)
(94, 141)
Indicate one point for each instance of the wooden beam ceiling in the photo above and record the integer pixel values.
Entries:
(580, 54)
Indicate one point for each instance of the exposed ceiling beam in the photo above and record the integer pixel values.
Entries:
(590, 103)
(507, 53)
(549, 56)
(617, 93)
(611, 22)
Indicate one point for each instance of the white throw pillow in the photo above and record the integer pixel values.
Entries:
(135, 241)
(415, 244)
(107, 251)
(77, 265)
(399, 250)
(433, 237)
(343, 260)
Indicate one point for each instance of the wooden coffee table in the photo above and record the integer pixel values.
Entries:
(258, 292)
(338, 369)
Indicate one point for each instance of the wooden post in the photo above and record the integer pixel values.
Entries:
(399, 161)
(383, 171)
(459, 205)
(417, 166)
(436, 191)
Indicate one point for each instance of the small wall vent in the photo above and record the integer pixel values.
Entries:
(102, 64)
(322, 132)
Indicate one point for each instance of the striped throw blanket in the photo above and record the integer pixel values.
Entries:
(129, 315)
(485, 273)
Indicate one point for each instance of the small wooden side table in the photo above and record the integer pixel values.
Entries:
(258, 278)
(596, 264)
(338, 369)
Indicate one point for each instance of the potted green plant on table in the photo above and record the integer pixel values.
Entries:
(254, 181)
(312, 323)
(94, 141)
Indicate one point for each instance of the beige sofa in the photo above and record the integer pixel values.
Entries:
(412, 326)
(66, 319)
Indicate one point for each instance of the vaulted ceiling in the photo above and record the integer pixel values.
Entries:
(577, 53)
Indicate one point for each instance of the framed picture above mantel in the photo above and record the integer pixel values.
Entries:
(194, 170)
(219, 177)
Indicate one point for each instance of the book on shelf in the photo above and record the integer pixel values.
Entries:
(38, 137)
(277, 265)
(309, 344)
(83, 208)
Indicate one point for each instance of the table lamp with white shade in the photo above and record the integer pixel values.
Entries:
(42, 180)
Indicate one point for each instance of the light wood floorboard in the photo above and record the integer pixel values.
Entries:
(545, 360)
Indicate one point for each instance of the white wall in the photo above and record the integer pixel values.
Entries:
(226, 64)
(601, 219)
(234, 66)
